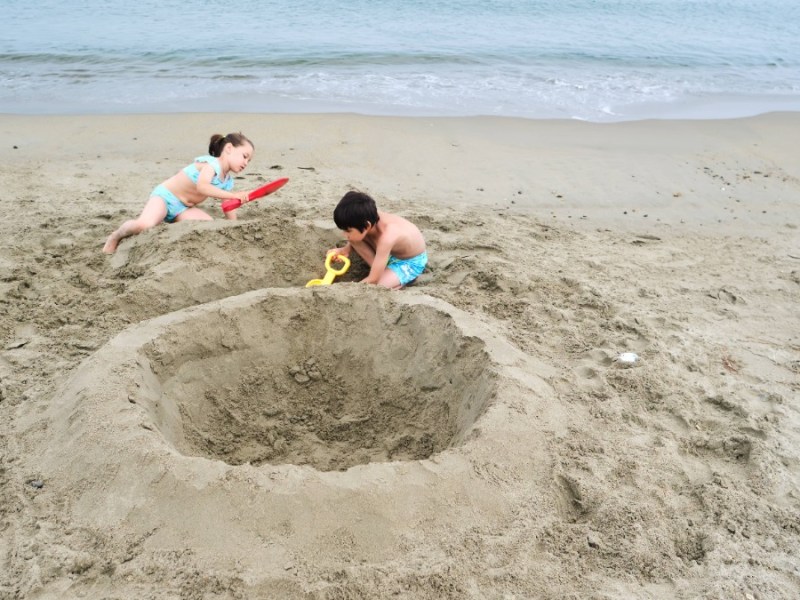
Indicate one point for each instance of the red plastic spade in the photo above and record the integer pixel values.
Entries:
(264, 190)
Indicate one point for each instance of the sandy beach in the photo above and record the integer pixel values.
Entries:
(184, 419)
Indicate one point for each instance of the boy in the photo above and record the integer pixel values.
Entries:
(392, 246)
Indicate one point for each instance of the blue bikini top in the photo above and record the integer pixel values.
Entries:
(193, 172)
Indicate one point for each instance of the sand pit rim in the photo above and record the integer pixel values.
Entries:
(123, 429)
(94, 446)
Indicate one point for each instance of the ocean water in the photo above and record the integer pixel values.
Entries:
(598, 60)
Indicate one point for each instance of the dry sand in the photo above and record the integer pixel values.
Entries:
(185, 420)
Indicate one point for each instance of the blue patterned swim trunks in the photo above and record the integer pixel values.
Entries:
(408, 269)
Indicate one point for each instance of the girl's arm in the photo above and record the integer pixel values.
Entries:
(211, 191)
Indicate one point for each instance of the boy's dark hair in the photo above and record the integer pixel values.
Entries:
(217, 142)
(355, 210)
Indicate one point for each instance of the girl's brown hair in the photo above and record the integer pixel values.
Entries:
(217, 142)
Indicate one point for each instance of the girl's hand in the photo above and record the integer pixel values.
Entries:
(243, 196)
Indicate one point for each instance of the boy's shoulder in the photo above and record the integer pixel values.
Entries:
(393, 218)
(393, 222)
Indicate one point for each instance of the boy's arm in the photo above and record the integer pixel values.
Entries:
(382, 252)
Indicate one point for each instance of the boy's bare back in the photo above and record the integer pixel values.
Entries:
(403, 238)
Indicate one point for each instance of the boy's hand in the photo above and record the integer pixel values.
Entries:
(339, 252)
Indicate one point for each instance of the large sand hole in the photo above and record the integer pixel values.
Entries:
(329, 379)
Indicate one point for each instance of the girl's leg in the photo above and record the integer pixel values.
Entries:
(194, 214)
(152, 214)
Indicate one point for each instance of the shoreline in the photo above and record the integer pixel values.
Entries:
(724, 108)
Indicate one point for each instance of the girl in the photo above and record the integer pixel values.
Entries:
(177, 198)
